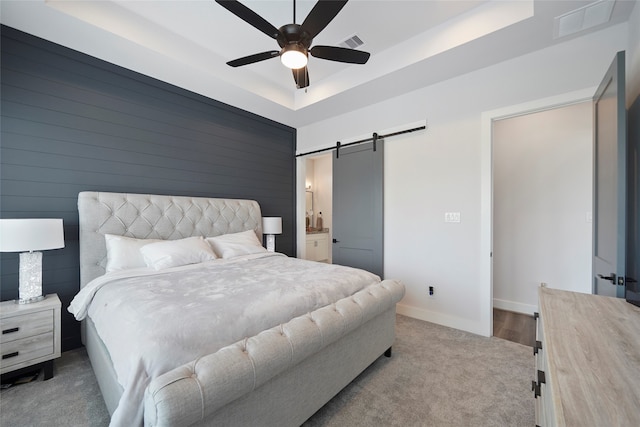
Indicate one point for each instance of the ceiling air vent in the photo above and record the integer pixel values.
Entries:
(352, 42)
(588, 16)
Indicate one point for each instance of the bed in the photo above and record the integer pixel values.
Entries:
(273, 368)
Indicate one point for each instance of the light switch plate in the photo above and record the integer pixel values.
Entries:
(452, 217)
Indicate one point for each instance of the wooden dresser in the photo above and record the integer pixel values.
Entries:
(587, 360)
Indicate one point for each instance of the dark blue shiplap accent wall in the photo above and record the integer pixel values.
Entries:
(71, 123)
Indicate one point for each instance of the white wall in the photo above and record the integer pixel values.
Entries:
(542, 202)
(438, 170)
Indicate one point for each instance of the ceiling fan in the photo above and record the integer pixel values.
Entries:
(295, 39)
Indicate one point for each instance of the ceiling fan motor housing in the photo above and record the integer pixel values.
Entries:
(294, 34)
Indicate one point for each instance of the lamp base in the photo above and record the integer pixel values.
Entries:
(271, 243)
(29, 300)
(30, 278)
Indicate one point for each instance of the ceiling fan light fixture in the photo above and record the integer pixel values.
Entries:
(294, 56)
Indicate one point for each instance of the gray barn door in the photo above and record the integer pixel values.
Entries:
(609, 198)
(358, 203)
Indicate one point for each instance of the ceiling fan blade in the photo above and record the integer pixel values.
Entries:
(340, 54)
(249, 16)
(257, 57)
(322, 13)
(301, 76)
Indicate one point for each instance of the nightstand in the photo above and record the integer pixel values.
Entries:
(30, 334)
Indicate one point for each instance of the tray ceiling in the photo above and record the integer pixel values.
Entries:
(412, 44)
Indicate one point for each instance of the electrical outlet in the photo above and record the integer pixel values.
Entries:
(452, 217)
(432, 291)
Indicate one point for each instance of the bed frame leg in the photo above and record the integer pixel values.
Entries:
(388, 352)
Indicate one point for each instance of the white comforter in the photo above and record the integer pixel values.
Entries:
(152, 322)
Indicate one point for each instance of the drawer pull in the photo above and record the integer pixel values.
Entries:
(10, 355)
(9, 331)
(541, 377)
(537, 347)
(535, 387)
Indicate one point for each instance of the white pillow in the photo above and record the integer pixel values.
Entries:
(174, 253)
(124, 252)
(235, 244)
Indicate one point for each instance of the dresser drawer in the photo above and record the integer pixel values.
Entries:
(19, 327)
(18, 351)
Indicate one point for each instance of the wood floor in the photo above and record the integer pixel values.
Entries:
(517, 327)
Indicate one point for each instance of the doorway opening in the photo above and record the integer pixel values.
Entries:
(542, 202)
(487, 219)
(318, 203)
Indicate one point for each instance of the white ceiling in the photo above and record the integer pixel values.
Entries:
(412, 43)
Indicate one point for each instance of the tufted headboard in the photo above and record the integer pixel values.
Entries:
(146, 216)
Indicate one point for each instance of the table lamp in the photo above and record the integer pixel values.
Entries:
(271, 225)
(26, 236)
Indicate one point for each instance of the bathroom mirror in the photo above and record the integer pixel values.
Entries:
(309, 204)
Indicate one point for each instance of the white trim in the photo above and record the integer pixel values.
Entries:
(301, 240)
(516, 307)
(486, 188)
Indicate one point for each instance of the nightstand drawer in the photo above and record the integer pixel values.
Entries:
(18, 351)
(18, 327)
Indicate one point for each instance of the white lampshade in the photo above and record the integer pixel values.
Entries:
(26, 236)
(272, 225)
(32, 234)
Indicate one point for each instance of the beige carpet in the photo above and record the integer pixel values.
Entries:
(437, 376)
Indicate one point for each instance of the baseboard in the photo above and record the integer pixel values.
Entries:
(467, 325)
(516, 307)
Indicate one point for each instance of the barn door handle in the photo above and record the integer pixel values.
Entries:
(336, 241)
(611, 278)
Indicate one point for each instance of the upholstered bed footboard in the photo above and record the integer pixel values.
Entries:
(284, 374)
